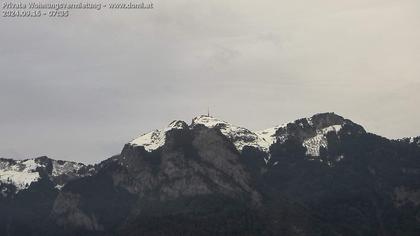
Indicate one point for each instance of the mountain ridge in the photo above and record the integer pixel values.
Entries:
(321, 121)
(322, 175)
(319, 126)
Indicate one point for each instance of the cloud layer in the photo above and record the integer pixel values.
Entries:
(79, 88)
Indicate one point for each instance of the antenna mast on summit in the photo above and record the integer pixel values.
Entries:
(208, 111)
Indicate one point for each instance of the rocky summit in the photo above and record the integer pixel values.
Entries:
(322, 175)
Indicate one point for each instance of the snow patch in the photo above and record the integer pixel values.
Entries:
(310, 122)
(156, 139)
(65, 167)
(59, 186)
(19, 173)
(314, 144)
(268, 136)
(239, 136)
(22, 173)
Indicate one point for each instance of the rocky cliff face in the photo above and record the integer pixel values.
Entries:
(192, 162)
(323, 175)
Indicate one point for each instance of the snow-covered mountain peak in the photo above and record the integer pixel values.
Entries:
(19, 173)
(155, 139)
(239, 136)
(208, 121)
(22, 173)
(177, 124)
(310, 131)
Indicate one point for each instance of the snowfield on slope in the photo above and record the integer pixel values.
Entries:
(21, 174)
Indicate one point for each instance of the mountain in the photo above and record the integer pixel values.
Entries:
(28, 189)
(20, 174)
(322, 175)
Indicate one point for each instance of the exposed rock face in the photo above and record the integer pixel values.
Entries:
(67, 213)
(323, 175)
(404, 196)
(192, 162)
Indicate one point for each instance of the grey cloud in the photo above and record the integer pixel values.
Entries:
(79, 88)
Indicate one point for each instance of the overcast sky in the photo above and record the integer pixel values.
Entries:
(81, 87)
